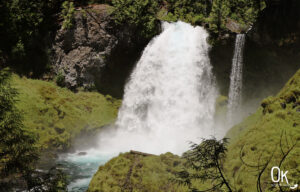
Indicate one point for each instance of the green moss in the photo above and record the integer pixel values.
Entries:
(259, 136)
(58, 115)
(130, 172)
(67, 13)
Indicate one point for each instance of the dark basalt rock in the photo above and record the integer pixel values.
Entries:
(95, 53)
(81, 52)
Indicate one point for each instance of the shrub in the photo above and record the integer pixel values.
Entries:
(60, 79)
(67, 13)
(138, 14)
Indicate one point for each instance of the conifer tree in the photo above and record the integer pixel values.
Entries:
(17, 146)
(218, 15)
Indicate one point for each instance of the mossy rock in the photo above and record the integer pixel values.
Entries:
(132, 172)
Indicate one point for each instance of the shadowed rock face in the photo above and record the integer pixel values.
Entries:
(278, 24)
(81, 52)
(271, 54)
(94, 53)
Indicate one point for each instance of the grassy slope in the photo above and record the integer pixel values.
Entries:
(259, 134)
(57, 115)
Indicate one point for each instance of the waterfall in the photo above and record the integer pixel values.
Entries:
(169, 99)
(236, 79)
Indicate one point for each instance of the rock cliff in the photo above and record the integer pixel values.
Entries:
(81, 52)
(94, 52)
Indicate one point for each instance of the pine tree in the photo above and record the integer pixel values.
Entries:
(205, 159)
(17, 146)
(137, 14)
(218, 15)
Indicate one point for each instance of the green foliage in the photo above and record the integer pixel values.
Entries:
(67, 13)
(205, 161)
(18, 153)
(60, 79)
(214, 13)
(188, 10)
(23, 28)
(58, 115)
(138, 14)
(219, 13)
(22, 18)
(245, 12)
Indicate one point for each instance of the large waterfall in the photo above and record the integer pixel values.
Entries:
(236, 78)
(170, 97)
(169, 100)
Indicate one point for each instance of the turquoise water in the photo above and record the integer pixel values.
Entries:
(81, 168)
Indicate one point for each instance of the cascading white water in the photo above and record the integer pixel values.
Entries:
(170, 97)
(236, 79)
(169, 101)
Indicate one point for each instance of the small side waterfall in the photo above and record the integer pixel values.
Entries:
(236, 79)
(170, 97)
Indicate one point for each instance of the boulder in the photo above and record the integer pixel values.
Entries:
(80, 52)
(236, 27)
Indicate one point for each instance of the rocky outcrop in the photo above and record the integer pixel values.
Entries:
(236, 27)
(137, 172)
(81, 52)
(95, 53)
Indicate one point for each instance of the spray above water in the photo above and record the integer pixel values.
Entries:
(170, 97)
(236, 79)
